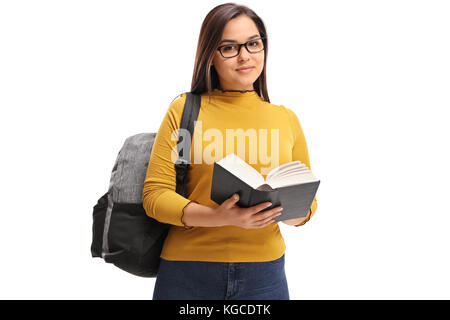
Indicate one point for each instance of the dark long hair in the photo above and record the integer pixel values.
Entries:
(205, 77)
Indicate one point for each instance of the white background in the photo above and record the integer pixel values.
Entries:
(368, 80)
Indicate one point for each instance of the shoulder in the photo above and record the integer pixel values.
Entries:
(293, 119)
(278, 108)
(294, 123)
(286, 112)
(271, 107)
(176, 107)
(178, 102)
(289, 113)
(174, 111)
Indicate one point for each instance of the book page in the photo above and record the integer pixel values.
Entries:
(292, 179)
(289, 172)
(242, 170)
(283, 168)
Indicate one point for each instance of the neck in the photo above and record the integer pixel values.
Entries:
(225, 90)
(236, 88)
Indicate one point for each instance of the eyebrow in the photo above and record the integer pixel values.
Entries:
(249, 38)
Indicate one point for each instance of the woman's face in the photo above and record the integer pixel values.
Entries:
(239, 29)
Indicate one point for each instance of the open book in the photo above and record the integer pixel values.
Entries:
(291, 185)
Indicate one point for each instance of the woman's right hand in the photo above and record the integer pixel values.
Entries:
(247, 218)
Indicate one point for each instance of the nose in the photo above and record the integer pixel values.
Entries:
(243, 53)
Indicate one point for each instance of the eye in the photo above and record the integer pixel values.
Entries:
(227, 48)
(253, 43)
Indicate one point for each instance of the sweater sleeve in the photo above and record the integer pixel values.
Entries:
(300, 152)
(159, 198)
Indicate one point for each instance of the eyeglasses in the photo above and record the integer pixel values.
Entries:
(232, 50)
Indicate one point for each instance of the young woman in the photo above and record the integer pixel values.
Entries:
(212, 251)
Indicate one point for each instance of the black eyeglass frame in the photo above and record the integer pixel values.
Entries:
(243, 44)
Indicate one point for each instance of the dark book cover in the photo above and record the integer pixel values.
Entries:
(296, 200)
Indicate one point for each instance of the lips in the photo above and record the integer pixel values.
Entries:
(244, 68)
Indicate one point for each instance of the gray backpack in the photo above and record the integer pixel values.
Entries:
(123, 234)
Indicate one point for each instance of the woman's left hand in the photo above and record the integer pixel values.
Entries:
(294, 222)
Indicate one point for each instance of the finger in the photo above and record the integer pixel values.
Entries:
(230, 202)
(268, 213)
(271, 214)
(265, 223)
(261, 206)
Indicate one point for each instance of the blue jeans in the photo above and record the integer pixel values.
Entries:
(202, 280)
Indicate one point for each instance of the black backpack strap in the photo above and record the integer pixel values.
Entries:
(190, 114)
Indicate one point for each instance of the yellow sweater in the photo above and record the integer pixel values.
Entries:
(223, 110)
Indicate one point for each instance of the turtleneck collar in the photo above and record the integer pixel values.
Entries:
(233, 92)
(235, 95)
